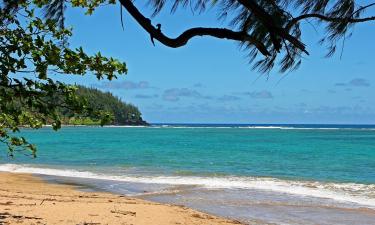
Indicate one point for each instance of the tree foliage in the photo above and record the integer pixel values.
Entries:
(31, 50)
(120, 113)
(269, 31)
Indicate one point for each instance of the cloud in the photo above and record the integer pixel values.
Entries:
(259, 94)
(357, 82)
(126, 85)
(154, 107)
(228, 98)
(142, 96)
(174, 94)
(340, 84)
(329, 109)
(301, 105)
(198, 85)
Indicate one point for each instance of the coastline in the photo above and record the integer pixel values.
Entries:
(232, 173)
(27, 199)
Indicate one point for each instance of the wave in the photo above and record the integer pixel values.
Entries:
(191, 127)
(286, 127)
(126, 126)
(362, 194)
(229, 126)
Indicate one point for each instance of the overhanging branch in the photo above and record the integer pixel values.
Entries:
(333, 19)
(183, 39)
(327, 19)
(269, 23)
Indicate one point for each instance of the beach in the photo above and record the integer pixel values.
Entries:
(25, 199)
(283, 174)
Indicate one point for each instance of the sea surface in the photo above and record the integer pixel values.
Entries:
(258, 174)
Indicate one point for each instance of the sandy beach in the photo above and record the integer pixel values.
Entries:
(26, 199)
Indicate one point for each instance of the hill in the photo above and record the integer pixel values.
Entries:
(123, 113)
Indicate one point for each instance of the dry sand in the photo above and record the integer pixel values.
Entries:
(25, 199)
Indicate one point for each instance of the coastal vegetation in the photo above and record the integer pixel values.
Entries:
(34, 48)
(120, 113)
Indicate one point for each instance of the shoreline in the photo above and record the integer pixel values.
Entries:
(337, 191)
(27, 199)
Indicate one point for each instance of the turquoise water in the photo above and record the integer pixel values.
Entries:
(322, 155)
(319, 162)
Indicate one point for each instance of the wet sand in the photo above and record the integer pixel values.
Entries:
(26, 199)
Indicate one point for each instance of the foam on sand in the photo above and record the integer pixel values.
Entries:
(362, 194)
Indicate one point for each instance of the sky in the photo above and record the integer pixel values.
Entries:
(211, 81)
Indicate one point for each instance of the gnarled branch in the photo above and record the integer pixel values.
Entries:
(183, 39)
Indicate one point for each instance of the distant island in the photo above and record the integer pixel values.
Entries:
(123, 113)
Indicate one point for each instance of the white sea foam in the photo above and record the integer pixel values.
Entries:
(305, 128)
(126, 126)
(281, 127)
(361, 194)
(263, 127)
(192, 127)
(260, 127)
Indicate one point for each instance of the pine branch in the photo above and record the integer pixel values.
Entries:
(183, 39)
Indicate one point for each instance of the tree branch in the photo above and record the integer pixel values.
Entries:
(332, 19)
(328, 19)
(183, 39)
(271, 26)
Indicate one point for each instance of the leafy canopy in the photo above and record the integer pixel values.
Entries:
(269, 31)
(121, 112)
(31, 49)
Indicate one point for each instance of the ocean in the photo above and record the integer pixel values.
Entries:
(255, 173)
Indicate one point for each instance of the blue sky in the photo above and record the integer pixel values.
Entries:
(210, 80)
